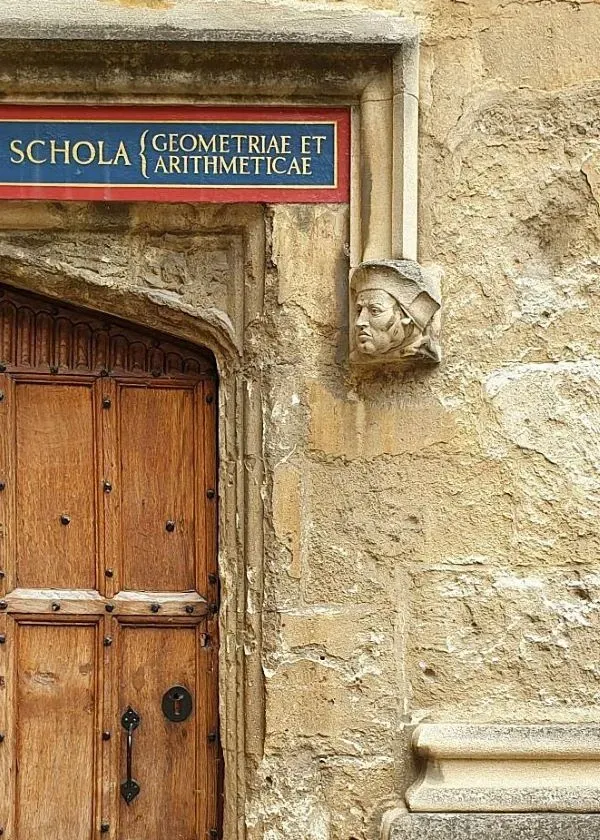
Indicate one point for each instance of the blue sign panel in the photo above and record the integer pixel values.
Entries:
(171, 154)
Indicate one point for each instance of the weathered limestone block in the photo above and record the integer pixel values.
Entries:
(342, 425)
(506, 767)
(358, 633)
(505, 642)
(547, 431)
(308, 250)
(287, 514)
(356, 790)
(333, 707)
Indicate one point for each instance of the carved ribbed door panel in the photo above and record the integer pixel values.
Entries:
(108, 578)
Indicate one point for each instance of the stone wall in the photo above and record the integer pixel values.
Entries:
(434, 542)
(430, 539)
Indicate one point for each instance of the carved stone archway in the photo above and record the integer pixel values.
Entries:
(77, 259)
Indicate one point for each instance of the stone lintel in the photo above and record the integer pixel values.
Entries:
(405, 826)
(211, 21)
(504, 767)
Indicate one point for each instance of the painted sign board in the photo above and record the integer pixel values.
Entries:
(177, 154)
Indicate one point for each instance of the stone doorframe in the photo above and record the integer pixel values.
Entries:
(366, 61)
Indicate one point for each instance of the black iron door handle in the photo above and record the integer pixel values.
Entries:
(130, 722)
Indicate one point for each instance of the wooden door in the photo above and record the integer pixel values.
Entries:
(108, 578)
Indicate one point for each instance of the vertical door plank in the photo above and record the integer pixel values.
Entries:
(164, 753)
(7, 749)
(56, 726)
(7, 485)
(208, 653)
(209, 432)
(111, 745)
(157, 440)
(209, 750)
(109, 560)
(99, 811)
(201, 490)
(55, 477)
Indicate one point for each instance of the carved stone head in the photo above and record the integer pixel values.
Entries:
(394, 304)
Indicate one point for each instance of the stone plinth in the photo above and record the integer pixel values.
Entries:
(404, 826)
(504, 767)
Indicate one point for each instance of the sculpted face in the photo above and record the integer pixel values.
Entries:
(380, 323)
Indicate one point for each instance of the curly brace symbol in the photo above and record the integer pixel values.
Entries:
(143, 154)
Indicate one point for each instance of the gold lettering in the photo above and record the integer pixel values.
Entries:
(294, 168)
(306, 166)
(155, 140)
(319, 140)
(29, 152)
(211, 162)
(101, 160)
(257, 164)
(77, 149)
(238, 139)
(253, 144)
(211, 146)
(174, 164)
(273, 146)
(15, 147)
(183, 142)
(60, 150)
(228, 168)
(274, 166)
(121, 153)
(161, 166)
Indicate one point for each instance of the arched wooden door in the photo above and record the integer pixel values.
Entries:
(108, 579)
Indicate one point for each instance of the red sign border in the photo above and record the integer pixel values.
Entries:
(186, 195)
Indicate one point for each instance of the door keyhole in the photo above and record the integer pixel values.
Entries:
(177, 704)
(177, 698)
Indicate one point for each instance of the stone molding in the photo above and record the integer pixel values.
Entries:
(507, 768)
(400, 825)
(209, 21)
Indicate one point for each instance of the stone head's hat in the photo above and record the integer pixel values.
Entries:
(405, 280)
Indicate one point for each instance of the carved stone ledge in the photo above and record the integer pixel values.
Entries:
(394, 313)
(503, 767)
(401, 825)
